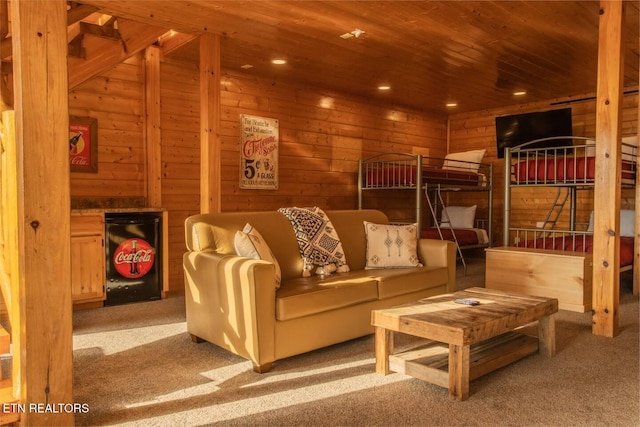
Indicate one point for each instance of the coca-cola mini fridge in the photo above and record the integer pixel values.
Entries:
(133, 258)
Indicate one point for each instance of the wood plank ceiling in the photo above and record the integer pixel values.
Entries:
(430, 53)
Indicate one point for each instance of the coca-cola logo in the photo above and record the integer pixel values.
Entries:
(134, 258)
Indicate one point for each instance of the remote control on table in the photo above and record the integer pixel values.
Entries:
(466, 301)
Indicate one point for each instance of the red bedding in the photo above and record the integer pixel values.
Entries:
(581, 245)
(405, 176)
(465, 236)
(564, 169)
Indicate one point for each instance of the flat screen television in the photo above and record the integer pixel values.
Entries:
(517, 129)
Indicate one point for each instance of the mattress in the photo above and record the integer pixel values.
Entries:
(569, 169)
(465, 236)
(387, 175)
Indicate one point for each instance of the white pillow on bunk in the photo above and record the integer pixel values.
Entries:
(628, 151)
(465, 161)
(458, 216)
(627, 222)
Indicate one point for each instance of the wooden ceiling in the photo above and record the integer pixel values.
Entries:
(473, 53)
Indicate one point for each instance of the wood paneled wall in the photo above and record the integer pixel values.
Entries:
(115, 99)
(322, 137)
(530, 205)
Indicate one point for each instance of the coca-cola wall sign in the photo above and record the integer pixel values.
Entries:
(134, 258)
(259, 152)
(83, 144)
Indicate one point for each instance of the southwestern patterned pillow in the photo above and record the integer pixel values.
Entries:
(318, 241)
(391, 246)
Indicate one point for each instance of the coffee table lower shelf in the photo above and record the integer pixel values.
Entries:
(430, 363)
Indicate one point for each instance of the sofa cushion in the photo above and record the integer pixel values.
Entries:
(310, 295)
(348, 224)
(393, 282)
(216, 231)
(249, 243)
(391, 246)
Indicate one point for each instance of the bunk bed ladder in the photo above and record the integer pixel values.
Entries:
(556, 209)
(433, 208)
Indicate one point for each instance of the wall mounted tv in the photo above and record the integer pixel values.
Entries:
(517, 129)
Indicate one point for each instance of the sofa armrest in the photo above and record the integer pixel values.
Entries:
(439, 253)
(230, 302)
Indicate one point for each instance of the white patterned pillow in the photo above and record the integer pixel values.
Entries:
(468, 161)
(391, 246)
(249, 243)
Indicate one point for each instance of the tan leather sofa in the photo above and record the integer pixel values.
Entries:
(232, 301)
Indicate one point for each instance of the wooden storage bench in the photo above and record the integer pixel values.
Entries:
(566, 276)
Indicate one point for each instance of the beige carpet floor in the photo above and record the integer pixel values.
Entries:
(136, 365)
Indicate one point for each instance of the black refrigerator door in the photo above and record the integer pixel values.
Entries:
(133, 258)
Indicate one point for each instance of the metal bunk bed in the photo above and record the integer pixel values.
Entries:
(568, 168)
(429, 179)
(552, 261)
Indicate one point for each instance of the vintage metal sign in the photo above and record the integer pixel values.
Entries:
(83, 144)
(259, 153)
(134, 258)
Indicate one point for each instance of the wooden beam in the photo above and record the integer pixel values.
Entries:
(11, 265)
(105, 31)
(4, 19)
(6, 85)
(636, 258)
(104, 54)
(606, 231)
(172, 40)
(78, 12)
(42, 137)
(5, 48)
(152, 127)
(210, 175)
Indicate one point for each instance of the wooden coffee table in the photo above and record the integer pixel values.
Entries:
(466, 341)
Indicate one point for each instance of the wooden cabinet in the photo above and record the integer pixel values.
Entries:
(87, 258)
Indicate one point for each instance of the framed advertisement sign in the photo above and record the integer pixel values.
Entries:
(83, 144)
(259, 152)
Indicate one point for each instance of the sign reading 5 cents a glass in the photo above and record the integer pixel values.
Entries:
(259, 153)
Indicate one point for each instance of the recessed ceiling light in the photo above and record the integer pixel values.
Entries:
(384, 87)
(278, 61)
(246, 66)
(355, 33)
(519, 93)
(452, 104)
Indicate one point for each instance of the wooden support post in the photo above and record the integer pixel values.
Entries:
(636, 257)
(210, 175)
(152, 127)
(39, 34)
(606, 232)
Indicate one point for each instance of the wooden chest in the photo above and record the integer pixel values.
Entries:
(566, 276)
